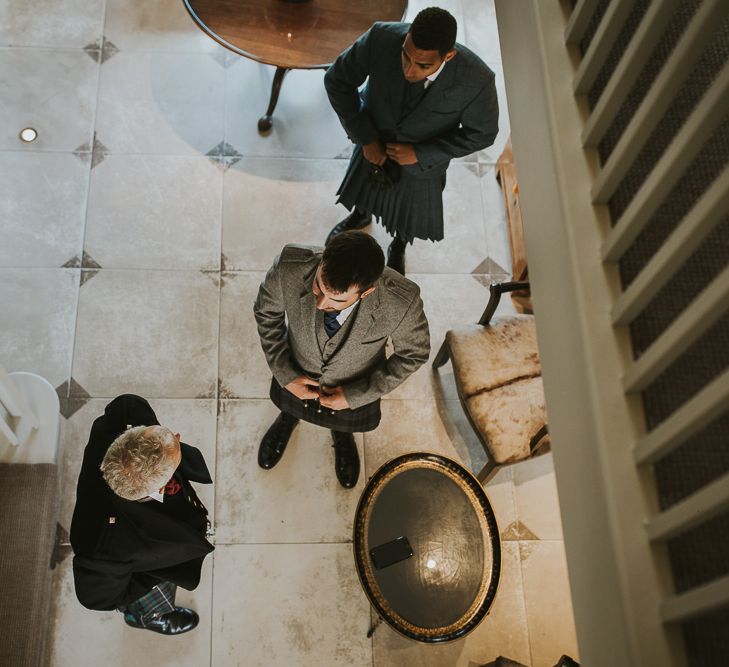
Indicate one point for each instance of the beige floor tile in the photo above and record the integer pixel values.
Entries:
(42, 208)
(172, 203)
(53, 92)
(548, 602)
(38, 309)
(448, 300)
(285, 605)
(193, 419)
(151, 332)
(500, 490)
(66, 23)
(244, 372)
(503, 631)
(537, 503)
(160, 103)
(422, 426)
(463, 248)
(304, 123)
(491, 154)
(481, 33)
(85, 637)
(300, 500)
(163, 25)
(271, 202)
(497, 232)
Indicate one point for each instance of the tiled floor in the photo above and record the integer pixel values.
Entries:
(136, 230)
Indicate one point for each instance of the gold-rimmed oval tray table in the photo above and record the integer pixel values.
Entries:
(433, 508)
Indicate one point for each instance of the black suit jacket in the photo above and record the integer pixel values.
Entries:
(459, 114)
(123, 548)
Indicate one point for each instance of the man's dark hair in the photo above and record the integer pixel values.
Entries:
(352, 258)
(434, 29)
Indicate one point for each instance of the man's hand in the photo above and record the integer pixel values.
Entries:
(402, 153)
(333, 398)
(304, 388)
(375, 152)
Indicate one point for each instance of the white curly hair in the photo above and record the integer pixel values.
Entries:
(140, 461)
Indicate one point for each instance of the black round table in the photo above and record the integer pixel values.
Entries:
(433, 507)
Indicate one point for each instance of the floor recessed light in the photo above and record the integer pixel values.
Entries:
(28, 134)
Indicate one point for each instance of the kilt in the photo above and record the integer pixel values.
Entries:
(412, 208)
(160, 600)
(359, 420)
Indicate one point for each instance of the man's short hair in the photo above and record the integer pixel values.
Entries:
(139, 462)
(352, 258)
(434, 29)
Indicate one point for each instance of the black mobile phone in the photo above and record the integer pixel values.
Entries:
(391, 552)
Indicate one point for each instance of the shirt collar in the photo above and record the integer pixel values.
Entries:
(430, 79)
(344, 314)
(156, 495)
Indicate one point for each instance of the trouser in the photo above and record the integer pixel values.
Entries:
(160, 600)
(359, 420)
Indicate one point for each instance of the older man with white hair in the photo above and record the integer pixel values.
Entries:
(139, 529)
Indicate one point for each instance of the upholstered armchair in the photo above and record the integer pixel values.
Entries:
(499, 381)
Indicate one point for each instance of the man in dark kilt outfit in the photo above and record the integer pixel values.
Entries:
(138, 529)
(324, 317)
(427, 100)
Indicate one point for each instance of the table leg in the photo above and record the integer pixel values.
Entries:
(371, 631)
(265, 122)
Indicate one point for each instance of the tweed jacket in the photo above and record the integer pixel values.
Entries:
(291, 330)
(458, 115)
(124, 548)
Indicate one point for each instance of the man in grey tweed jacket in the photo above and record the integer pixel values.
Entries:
(325, 317)
(427, 100)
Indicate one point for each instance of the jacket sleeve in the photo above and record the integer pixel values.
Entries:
(479, 125)
(270, 314)
(105, 584)
(342, 82)
(411, 348)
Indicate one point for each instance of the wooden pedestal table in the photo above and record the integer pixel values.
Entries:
(308, 34)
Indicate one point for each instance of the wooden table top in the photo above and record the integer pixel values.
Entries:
(295, 35)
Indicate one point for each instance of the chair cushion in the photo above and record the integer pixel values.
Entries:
(509, 417)
(485, 357)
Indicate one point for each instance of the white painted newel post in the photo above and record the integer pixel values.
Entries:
(29, 419)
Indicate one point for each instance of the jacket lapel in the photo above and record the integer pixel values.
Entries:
(308, 311)
(437, 93)
(367, 326)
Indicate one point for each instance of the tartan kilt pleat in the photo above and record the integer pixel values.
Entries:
(412, 208)
(359, 420)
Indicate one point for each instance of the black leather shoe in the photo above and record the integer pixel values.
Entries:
(172, 623)
(346, 459)
(355, 220)
(396, 255)
(274, 442)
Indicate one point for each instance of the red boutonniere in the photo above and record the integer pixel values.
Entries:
(172, 487)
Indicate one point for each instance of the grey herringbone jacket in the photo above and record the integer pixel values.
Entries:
(295, 343)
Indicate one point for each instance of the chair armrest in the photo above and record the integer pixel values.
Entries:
(497, 289)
